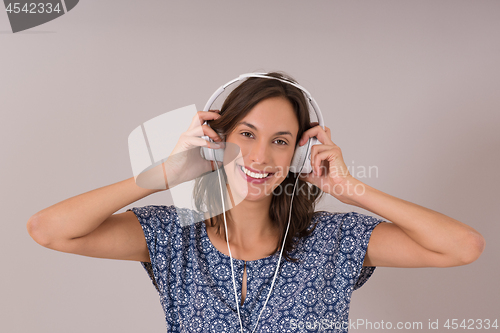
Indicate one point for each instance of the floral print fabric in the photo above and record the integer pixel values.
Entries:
(195, 285)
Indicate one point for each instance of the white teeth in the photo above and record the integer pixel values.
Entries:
(253, 174)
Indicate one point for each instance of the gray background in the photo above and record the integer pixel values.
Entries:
(408, 86)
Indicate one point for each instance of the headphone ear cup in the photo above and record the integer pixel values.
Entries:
(300, 157)
(210, 154)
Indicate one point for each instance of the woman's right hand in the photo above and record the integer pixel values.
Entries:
(185, 162)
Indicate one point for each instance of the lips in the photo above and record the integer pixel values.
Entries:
(257, 172)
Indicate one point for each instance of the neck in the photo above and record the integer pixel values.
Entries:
(250, 223)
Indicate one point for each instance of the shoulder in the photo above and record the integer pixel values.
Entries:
(157, 215)
(345, 218)
(154, 212)
(341, 223)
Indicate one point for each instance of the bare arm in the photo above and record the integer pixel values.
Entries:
(84, 224)
(417, 236)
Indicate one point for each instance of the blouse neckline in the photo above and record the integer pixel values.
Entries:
(214, 249)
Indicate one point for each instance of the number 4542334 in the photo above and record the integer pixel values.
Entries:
(33, 8)
(471, 324)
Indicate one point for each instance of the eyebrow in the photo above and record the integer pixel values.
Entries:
(255, 128)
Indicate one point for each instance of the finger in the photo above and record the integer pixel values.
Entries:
(318, 149)
(338, 168)
(307, 134)
(198, 120)
(317, 132)
(201, 116)
(317, 157)
(200, 142)
(211, 133)
(313, 124)
(204, 130)
(207, 115)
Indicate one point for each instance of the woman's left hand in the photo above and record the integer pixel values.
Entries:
(330, 173)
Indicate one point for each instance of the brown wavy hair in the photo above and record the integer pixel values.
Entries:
(236, 106)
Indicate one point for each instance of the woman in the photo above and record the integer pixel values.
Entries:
(327, 255)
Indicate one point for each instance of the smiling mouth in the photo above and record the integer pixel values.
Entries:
(254, 174)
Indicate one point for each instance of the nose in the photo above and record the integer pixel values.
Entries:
(259, 152)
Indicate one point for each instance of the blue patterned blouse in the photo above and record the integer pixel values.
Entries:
(195, 286)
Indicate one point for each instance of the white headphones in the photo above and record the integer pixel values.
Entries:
(301, 161)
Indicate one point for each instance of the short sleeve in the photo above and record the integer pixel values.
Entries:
(158, 225)
(355, 232)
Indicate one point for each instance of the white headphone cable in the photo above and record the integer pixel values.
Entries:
(231, 257)
(279, 259)
(229, 249)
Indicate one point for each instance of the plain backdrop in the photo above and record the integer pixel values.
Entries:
(411, 87)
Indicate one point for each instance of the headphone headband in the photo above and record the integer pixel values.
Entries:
(242, 77)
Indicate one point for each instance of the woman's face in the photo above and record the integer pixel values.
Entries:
(266, 137)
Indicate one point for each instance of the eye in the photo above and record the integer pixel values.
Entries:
(282, 144)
